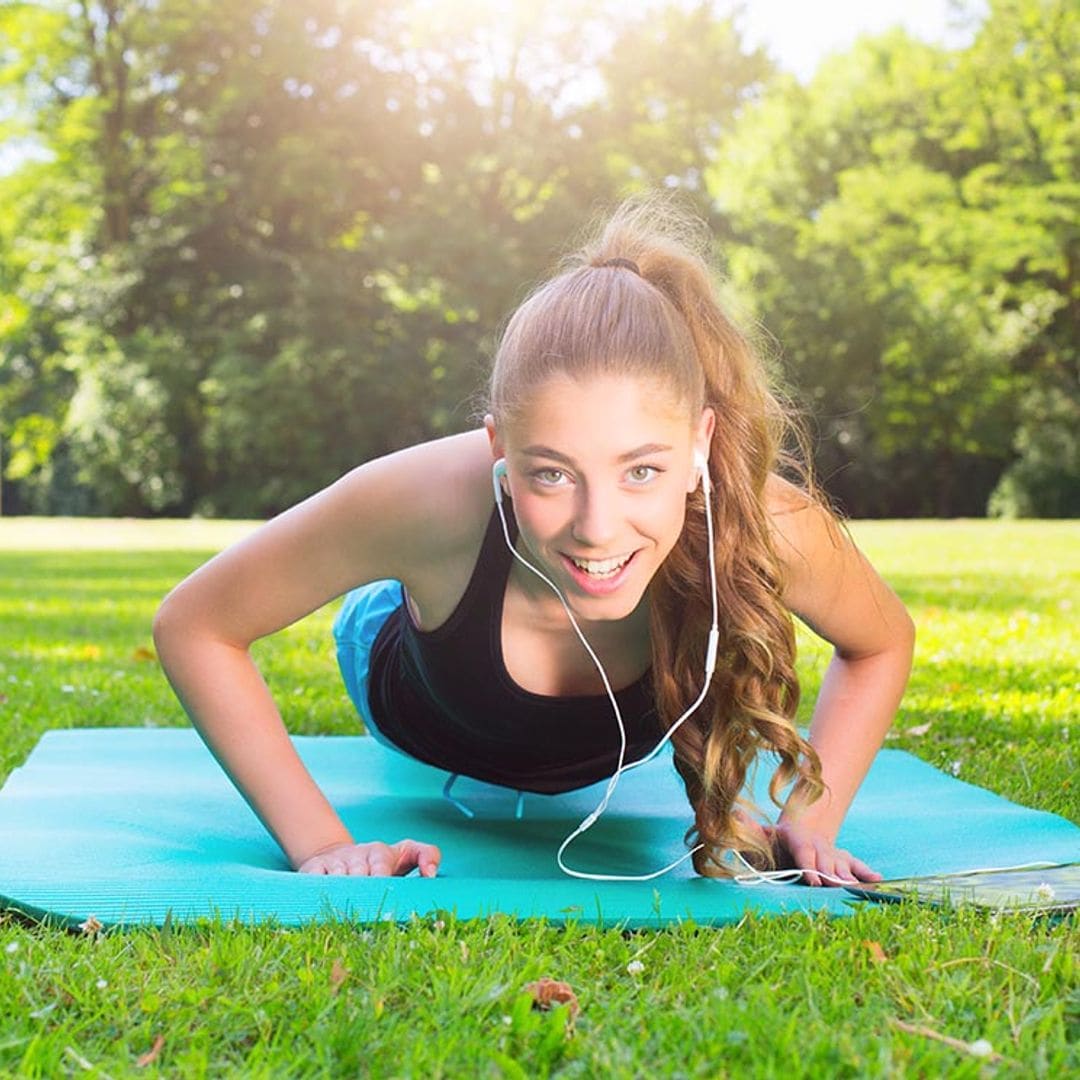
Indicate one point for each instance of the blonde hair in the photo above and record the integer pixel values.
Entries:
(637, 299)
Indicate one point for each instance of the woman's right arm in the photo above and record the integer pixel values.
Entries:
(383, 519)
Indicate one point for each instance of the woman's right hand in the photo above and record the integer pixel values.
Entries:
(374, 860)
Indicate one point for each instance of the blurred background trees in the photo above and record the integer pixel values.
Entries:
(250, 244)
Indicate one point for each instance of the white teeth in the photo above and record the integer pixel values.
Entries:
(601, 567)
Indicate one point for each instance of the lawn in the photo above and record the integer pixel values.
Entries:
(890, 991)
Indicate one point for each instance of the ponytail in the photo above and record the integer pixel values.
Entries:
(638, 299)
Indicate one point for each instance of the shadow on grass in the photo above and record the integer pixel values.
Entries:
(117, 574)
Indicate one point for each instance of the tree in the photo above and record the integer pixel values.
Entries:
(906, 225)
(299, 225)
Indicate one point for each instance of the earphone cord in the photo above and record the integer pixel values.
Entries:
(789, 876)
(710, 665)
(752, 876)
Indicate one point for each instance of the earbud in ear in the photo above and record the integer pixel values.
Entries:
(498, 471)
(702, 466)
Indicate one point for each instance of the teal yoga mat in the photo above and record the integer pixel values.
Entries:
(132, 825)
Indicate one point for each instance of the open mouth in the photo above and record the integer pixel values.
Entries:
(601, 568)
(599, 577)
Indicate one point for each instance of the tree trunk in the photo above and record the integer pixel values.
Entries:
(107, 44)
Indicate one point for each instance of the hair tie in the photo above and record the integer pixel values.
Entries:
(626, 264)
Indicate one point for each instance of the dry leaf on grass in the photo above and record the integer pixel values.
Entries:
(877, 953)
(91, 926)
(338, 974)
(548, 992)
(143, 653)
(919, 729)
(152, 1054)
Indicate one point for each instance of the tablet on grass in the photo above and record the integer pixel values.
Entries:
(1036, 887)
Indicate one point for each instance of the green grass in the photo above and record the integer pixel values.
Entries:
(877, 994)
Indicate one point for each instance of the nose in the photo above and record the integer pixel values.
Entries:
(595, 516)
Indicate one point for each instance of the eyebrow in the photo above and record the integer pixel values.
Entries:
(645, 450)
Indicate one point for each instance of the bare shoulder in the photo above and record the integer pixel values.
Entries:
(417, 515)
(827, 581)
(813, 548)
(423, 498)
(800, 524)
(414, 508)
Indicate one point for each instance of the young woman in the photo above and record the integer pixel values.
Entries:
(618, 390)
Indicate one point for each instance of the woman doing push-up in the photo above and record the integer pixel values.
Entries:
(614, 557)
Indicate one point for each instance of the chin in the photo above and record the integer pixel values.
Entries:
(612, 608)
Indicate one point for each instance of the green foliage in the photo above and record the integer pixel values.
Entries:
(266, 240)
(1043, 481)
(275, 239)
(906, 224)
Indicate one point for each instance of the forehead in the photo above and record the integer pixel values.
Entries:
(600, 412)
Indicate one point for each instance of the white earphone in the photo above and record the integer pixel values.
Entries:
(702, 467)
(498, 471)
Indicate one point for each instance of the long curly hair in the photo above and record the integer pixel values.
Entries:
(665, 322)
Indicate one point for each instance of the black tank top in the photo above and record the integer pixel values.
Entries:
(445, 697)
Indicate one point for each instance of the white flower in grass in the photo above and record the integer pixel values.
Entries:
(635, 967)
(981, 1048)
(101, 983)
(954, 768)
(11, 947)
(1045, 891)
(67, 688)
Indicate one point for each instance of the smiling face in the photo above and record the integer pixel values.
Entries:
(599, 471)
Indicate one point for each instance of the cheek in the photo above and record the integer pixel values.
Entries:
(667, 509)
(538, 519)
(675, 518)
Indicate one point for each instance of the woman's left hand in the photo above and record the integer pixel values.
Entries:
(798, 846)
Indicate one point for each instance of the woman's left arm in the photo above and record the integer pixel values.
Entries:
(832, 587)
